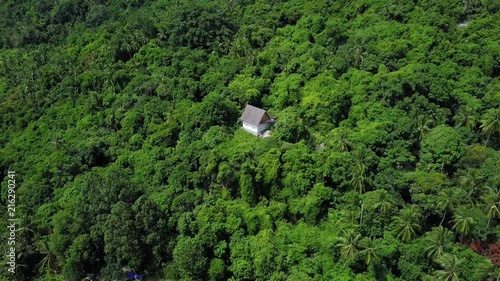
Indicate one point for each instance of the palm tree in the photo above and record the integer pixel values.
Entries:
(466, 117)
(428, 278)
(369, 251)
(464, 223)
(437, 239)
(57, 143)
(407, 224)
(470, 179)
(488, 272)
(26, 229)
(436, 115)
(340, 139)
(490, 123)
(48, 263)
(491, 203)
(423, 126)
(240, 47)
(350, 216)
(109, 79)
(349, 245)
(494, 275)
(358, 55)
(446, 201)
(359, 180)
(450, 265)
(385, 203)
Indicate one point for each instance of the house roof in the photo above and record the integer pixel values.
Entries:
(255, 115)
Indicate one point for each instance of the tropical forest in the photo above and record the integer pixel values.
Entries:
(123, 153)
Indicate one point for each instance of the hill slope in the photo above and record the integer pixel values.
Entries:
(120, 119)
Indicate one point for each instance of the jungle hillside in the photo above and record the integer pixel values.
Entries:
(121, 122)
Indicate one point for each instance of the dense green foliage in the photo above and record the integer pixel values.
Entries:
(120, 118)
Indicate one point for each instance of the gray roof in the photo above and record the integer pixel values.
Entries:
(255, 115)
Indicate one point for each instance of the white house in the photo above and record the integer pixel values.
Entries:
(256, 120)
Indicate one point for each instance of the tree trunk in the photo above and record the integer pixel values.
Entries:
(444, 216)
(362, 206)
(487, 139)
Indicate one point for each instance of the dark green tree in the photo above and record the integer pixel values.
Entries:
(407, 223)
(450, 265)
(490, 122)
(349, 245)
(439, 240)
(463, 222)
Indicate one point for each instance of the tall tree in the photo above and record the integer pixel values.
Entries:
(490, 122)
(424, 125)
(385, 203)
(446, 201)
(438, 240)
(359, 179)
(471, 179)
(463, 222)
(441, 148)
(340, 139)
(407, 224)
(487, 271)
(358, 55)
(369, 251)
(49, 263)
(450, 265)
(349, 245)
(466, 117)
(491, 204)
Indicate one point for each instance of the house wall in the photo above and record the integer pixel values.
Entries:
(251, 128)
(255, 129)
(262, 127)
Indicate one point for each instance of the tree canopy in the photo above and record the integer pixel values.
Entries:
(121, 121)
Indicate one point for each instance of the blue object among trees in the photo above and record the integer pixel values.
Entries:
(134, 276)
